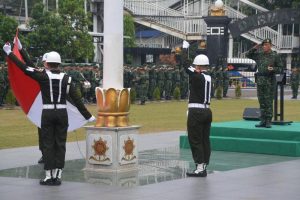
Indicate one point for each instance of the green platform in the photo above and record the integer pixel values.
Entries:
(242, 136)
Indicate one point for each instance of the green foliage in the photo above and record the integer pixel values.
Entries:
(238, 91)
(176, 93)
(276, 4)
(8, 27)
(10, 99)
(129, 30)
(128, 59)
(296, 4)
(219, 92)
(65, 32)
(156, 94)
(132, 96)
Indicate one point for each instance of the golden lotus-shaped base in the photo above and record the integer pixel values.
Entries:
(217, 11)
(113, 107)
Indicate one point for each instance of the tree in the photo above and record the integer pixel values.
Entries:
(296, 4)
(8, 27)
(64, 31)
(275, 4)
(129, 31)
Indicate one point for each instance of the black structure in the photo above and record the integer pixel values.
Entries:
(217, 39)
(251, 114)
(281, 81)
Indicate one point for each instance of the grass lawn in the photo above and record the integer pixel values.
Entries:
(17, 131)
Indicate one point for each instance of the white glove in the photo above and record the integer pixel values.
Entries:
(7, 48)
(185, 44)
(91, 119)
(192, 69)
(19, 43)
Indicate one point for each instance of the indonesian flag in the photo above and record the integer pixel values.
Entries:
(28, 94)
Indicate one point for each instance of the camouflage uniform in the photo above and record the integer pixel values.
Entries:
(225, 82)
(212, 73)
(168, 83)
(143, 85)
(161, 80)
(295, 77)
(184, 84)
(4, 86)
(152, 82)
(266, 82)
(176, 79)
(77, 78)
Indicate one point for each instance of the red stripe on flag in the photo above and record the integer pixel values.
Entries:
(24, 88)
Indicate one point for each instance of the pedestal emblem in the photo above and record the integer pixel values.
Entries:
(100, 148)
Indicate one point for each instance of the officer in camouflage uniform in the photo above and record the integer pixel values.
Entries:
(295, 77)
(218, 78)
(143, 84)
(126, 75)
(184, 83)
(161, 80)
(152, 81)
(225, 81)
(74, 72)
(168, 83)
(176, 79)
(268, 64)
(1, 84)
(212, 72)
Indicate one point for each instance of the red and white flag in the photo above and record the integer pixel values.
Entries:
(28, 94)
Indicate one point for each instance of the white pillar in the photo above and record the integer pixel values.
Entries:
(26, 11)
(56, 5)
(289, 61)
(93, 7)
(113, 44)
(230, 46)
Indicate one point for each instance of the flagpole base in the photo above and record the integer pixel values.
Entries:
(113, 107)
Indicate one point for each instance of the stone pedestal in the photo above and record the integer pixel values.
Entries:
(111, 150)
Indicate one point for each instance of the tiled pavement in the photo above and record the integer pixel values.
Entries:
(279, 180)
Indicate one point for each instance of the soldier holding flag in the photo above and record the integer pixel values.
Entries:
(54, 88)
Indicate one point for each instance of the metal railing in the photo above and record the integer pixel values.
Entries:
(187, 22)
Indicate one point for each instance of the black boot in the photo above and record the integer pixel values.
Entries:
(48, 179)
(41, 160)
(261, 124)
(57, 176)
(268, 124)
(200, 171)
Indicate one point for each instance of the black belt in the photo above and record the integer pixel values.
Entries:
(264, 74)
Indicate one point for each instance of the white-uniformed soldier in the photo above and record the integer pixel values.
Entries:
(199, 114)
(55, 86)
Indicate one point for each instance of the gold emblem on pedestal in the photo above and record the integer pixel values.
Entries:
(100, 147)
(217, 9)
(113, 107)
(128, 149)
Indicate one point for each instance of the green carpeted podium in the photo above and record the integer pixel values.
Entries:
(242, 136)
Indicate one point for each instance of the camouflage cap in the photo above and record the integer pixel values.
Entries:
(266, 41)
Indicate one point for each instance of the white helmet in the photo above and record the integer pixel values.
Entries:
(53, 57)
(44, 57)
(201, 60)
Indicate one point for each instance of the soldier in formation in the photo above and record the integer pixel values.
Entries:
(295, 77)
(163, 78)
(4, 86)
